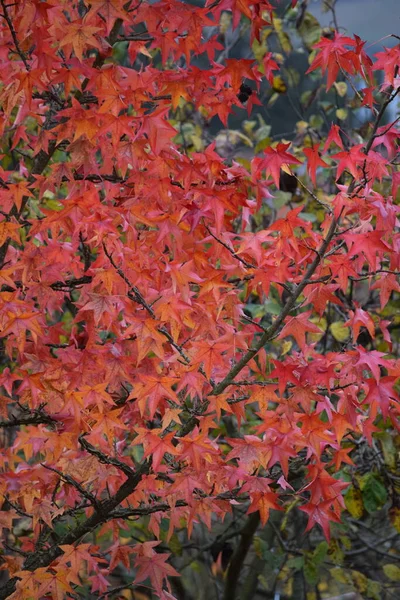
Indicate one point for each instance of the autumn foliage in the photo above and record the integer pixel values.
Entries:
(138, 385)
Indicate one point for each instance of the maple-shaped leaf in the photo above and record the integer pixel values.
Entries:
(263, 502)
(297, 327)
(288, 224)
(370, 243)
(342, 456)
(285, 373)
(79, 37)
(45, 512)
(270, 65)
(152, 391)
(152, 565)
(27, 585)
(74, 555)
(210, 354)
(333, 136)
(9, 230)
(318, 295)
(279, 451)
(19, 324)
(198, 449)
(18, 191)
(340, 424)
(351, 160)
(275, 159)
(387, 283)
(56, 582)
(158, 130)
(372, 360)
(321, 514)
(242, 7)
(235, 71)
(333, 55)
(186, 483)
(248, 450)
(324, 486)
(120, 555)
(314, 161)
(360, 318)
(383, 393)
(100, 304)
(317, 433)
(155, 445)
(110, 11)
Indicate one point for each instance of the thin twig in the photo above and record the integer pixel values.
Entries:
(232, 252)
(14, 36)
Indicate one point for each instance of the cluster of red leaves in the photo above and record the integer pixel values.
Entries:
(121, 266)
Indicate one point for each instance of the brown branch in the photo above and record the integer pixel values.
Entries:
(289, 306)
(133, 292)
(313, 196)
(71, 481)
(36, 417)
(124, 513)
(232, 252)
(104, 459)
(101, 514)
(239, 556)
(71, 283)
(363, 276)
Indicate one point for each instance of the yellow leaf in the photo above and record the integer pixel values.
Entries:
(278, 85)
(395, 518)
(374, 590)
(354, 503)
(339, 331)
(286, 346)
(302, 126)
(360, 581)
(341, 113)
(341, 88)
(339, 575)
(286, 169)
(272, 100)
(225, 22)
(392, 572)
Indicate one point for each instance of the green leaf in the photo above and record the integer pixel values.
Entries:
(374, 589)
(388, 448)
(174, 545)
(374, 494)
(341, 88)
(310, 570)
(313, 561)
(296, 563)
(320, 552)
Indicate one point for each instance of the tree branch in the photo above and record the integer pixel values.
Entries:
(238, 558)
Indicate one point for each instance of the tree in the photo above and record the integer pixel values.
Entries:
(190, 337)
